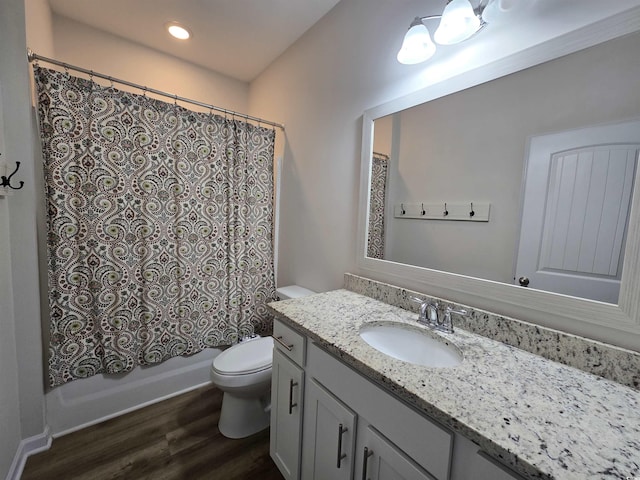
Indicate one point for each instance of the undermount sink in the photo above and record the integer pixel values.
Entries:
(410, 344)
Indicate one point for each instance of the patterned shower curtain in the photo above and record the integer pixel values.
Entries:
(160, 239)
(377, 196)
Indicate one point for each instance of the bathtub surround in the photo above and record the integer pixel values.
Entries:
(607, 361)
(159, 227)
(541, 418)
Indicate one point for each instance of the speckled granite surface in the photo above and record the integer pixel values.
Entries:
(601, 359)
(544, 419)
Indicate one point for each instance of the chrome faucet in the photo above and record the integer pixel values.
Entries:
(429, 315)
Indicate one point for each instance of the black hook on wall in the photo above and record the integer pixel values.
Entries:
(6, 181)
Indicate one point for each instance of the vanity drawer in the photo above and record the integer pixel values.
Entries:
(289, 342)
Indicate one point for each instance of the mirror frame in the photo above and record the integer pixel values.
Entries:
(614, 324)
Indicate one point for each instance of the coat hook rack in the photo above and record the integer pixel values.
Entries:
(453, 211)
(6, 181)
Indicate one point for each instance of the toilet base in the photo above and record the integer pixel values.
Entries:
(242, 416)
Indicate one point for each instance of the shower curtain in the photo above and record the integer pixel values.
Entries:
(377, 196)
(160, 238)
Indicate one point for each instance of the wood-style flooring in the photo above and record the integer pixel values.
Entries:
(174, 439)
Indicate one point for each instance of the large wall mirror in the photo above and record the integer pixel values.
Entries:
(515, 193)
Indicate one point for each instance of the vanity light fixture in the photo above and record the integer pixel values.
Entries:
(458, 22)
(178, 31)
(417, 46)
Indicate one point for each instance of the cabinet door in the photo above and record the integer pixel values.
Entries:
(286, 415)
(382, 460)
(329, 436)
(485, 468)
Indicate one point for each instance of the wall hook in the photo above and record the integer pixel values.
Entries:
(422, 212)
(402, 208)
(6, 181)
(472, 213)
(446, 212)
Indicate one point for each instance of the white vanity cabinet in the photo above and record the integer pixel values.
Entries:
(352, 428)
(287, 390)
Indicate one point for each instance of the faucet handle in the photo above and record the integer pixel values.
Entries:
(447, 323)
(450, 310)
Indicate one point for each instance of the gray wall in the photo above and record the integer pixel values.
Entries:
(21, 390)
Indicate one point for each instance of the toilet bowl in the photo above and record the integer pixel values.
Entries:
(243, 373)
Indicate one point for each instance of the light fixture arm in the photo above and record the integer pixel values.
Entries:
(429, 17)
(480, 7)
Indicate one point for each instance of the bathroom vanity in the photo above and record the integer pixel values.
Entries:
(342, 409)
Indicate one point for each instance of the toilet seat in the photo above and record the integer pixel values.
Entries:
(245, 358)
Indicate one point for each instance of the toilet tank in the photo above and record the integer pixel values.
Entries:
(292, 291)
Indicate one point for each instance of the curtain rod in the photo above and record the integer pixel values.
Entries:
(33, 57)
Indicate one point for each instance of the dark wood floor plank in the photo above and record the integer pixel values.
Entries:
(174, 439)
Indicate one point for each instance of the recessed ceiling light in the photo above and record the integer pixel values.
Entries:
(178, 31)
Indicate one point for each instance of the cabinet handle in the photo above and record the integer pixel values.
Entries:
(341, 430)
(279, 340)
(367, 454)
(291, 404)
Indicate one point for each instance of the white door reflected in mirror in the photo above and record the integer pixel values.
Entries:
(576, 209)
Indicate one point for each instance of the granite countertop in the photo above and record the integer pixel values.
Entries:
(542, 418)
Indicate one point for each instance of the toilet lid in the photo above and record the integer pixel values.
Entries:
(245, 357)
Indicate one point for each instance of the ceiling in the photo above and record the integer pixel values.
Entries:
(238, 38)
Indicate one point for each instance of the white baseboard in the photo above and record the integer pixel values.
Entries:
(28, 446)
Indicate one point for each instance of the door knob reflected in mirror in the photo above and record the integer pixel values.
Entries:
(523, 281)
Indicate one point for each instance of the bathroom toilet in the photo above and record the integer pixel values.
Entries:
(243, 373)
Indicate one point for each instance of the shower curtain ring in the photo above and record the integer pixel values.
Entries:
(144, 91)
(175, 100)
(111, 82)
